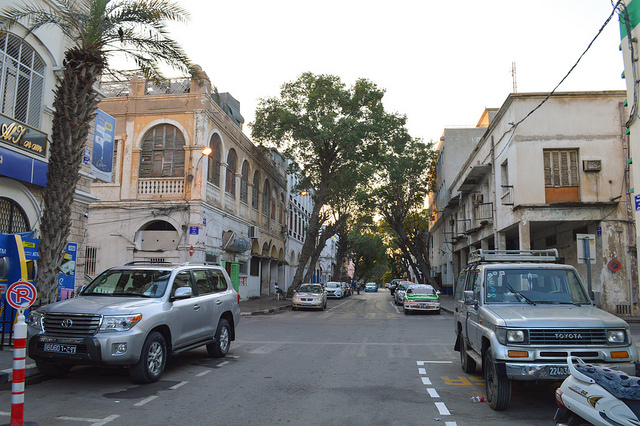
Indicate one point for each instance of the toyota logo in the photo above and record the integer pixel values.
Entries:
(66, 323)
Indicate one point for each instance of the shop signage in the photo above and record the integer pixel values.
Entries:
(103, 140)
(22, 136)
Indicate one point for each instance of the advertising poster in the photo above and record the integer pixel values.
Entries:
(67, 275)
(103, 141)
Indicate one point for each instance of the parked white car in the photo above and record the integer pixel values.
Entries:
(334, 289)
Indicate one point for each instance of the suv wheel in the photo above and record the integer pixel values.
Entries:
(467, 363)
(152, 360)
(498, 388)
(52, 369)
(220, 347)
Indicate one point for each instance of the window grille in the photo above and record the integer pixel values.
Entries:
(21, 80)
(244, 183)
(12, 218)
(90, 256)
(255, 190)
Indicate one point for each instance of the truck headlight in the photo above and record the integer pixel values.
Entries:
(119, 322)
(516, 336)
(35, 320)
(616, 336)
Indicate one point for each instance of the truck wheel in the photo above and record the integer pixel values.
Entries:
(220, 347)
(52, 369)
(498, 388)
(467, 363)
(152, 360)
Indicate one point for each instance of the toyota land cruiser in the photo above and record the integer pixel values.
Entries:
(520, 313)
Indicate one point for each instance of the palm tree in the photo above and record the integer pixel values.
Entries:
(95, 30)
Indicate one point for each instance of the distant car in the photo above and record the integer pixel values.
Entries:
(421, 297)
(334, 289)
(309, 296)
(371, 287)
(398, 296)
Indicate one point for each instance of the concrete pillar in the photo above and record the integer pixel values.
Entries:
(524, 235)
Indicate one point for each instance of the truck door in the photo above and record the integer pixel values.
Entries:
(472, 325)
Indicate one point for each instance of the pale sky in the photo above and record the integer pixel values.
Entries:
(440, 62)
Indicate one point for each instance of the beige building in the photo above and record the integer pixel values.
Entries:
(169, 201)
(557, 178)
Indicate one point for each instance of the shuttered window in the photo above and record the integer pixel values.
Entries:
(560, 168)
(162, 152)
(230, 180)
(213, 174)
(244, 182)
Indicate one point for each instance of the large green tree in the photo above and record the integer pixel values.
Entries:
(328, 129)
(94, 30)
(403, 183)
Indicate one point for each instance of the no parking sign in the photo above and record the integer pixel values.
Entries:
(21, 294)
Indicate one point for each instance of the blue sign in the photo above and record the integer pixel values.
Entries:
(21, 167)
(194, 230)
(67, 276)
(103, 141)
(636, 200)
(599, 231)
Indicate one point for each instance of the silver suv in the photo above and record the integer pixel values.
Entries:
(137, 316)
(519, 314)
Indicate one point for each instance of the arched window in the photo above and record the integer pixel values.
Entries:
(230, 180)
(12, 218)
(162, 152)
(255, 190)
(213, 174)
(244, 182)
(22, 77)
(266, 195)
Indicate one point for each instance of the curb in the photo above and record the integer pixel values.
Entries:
(265, 311)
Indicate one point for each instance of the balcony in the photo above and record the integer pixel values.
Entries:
(154, 188)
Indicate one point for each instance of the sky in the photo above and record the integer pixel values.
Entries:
(440, 62)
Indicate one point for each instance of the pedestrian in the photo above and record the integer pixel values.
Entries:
(277, 288)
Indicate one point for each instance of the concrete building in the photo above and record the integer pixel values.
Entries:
(168, 200)
(557, 178)
(300, 206)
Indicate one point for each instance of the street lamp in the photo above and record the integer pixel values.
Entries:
(206, 152)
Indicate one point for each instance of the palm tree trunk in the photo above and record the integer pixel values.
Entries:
(75, 105)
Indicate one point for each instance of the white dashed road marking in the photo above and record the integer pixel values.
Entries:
(433, 393)
(442, 409)
(144, 401)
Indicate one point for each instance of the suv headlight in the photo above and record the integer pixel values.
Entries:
(507, 336)
(119, 322)
(35, 320)
(616, 336)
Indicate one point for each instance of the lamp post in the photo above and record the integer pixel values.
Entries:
(206, 152)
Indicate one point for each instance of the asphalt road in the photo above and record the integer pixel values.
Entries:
(360, 362)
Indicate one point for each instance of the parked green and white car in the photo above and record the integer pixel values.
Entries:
(421, 297)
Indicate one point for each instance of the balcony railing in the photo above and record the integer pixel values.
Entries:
(161, 187)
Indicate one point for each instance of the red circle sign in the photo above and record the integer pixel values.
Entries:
(614, 265)
(21, 294)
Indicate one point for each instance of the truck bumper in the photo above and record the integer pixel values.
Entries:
(547, 371)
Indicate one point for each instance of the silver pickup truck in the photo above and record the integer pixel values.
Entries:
(137, 316)
(519, 314)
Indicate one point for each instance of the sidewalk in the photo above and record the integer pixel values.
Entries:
(259, 306)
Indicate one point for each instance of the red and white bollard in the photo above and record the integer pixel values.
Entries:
(17, 380)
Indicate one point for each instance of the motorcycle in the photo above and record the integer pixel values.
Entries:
(597, 395)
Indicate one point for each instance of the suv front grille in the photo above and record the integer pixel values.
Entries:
(71, 324)
(563, 336)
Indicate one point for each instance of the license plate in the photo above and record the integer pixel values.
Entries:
(558, 371)
(59, 348)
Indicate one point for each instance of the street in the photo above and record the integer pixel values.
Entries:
(362, 361)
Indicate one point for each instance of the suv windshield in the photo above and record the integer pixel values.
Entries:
(127, 282)
(534, 286)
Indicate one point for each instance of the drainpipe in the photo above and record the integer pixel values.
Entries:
(495, 195)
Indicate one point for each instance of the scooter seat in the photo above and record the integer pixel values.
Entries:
(617, 383)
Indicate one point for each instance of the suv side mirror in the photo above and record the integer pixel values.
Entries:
(183, 293)
(468, 297)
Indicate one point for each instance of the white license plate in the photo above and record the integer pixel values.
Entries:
(59, 348)
(558, 371)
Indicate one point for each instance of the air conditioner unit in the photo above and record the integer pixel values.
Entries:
(253, 231)
(592, 165)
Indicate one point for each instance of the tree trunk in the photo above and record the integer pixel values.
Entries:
(75, 105)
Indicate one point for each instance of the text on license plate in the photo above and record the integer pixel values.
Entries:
(558, 371)
(59, 348)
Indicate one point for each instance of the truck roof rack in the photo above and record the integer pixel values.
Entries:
(485, 256)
